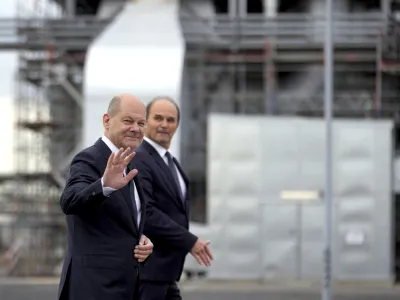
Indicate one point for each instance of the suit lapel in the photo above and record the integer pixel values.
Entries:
(185, 179)
(182, 173)
(125, 190)
(171, 185)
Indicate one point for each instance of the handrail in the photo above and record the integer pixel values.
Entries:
(349, 28)
(38, 33)
(299, 28)
(286, 17)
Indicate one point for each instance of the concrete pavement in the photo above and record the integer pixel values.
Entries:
(46, 289)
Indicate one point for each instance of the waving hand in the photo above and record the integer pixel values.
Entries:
(114, 174)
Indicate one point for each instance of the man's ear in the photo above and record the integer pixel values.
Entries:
(106, 121)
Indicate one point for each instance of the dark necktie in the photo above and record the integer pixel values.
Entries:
(174, 172)
(132, 192)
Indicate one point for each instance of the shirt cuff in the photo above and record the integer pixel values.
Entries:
(107, 191)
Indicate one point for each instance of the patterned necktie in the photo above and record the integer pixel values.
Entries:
(174, 172)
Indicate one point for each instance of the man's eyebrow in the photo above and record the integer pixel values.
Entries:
(160, 115)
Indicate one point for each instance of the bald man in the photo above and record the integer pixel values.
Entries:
(106, 212)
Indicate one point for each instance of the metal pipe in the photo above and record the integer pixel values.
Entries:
(267, 78)
(232, 8)
(270, 8)
(378, 92)
(70, 8)
(386, 10)
(326, 291)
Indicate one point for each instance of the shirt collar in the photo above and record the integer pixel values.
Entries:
(109, 144)
(160, 149)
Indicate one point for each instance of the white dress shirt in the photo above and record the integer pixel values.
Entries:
(162, 151)
(107, 190)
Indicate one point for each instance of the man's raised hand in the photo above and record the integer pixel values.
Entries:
(114, 174)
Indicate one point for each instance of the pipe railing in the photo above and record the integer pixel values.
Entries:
(287, 29)
(39, 33)
(349, 28)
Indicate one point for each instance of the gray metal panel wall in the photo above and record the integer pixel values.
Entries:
(258, 235)
(233, 196)
(362, 175)
(396, 175)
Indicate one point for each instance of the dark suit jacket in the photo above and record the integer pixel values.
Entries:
(162, 195)
(102, 232)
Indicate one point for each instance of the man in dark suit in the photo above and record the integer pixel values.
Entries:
(106, 211)
(166, 188)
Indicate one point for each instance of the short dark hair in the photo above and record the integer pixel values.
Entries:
(158, 98)
(115, 106)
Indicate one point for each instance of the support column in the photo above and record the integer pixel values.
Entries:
(242, 8)
(270, 11)
(233, 8)
(70, 6)
(385, 7)
(271, 8)
(386, 11)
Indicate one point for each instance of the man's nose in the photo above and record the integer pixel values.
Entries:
(134, 127)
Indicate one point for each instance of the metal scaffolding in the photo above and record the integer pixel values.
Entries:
(269, 48)
(251, 65)
(387, 93)
(51, 53)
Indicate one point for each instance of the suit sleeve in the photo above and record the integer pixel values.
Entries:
(159, 227)
(83, 187)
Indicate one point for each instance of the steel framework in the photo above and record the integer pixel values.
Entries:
(51, 54)
(247, 65)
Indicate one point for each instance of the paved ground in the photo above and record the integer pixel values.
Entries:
(47, 290)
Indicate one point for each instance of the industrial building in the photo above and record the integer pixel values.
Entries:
(228, 56)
